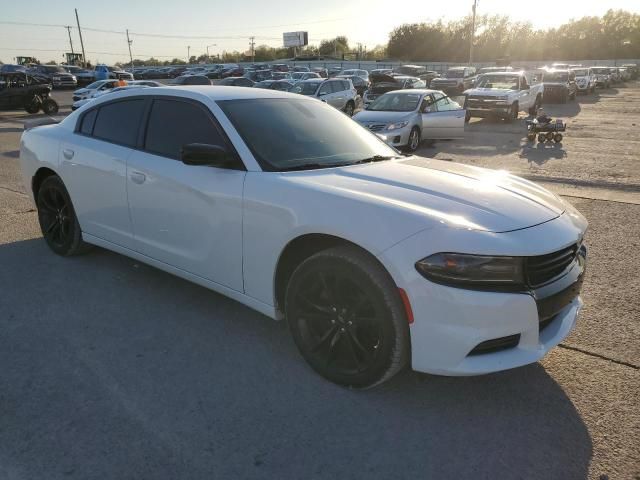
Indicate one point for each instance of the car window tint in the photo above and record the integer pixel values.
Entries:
(173, 123)
(118, 122)
(88, 120)
(345, 85)
(325, 88)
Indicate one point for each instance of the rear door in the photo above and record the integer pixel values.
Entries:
(94, 163)
(189, 217)
(442, 118)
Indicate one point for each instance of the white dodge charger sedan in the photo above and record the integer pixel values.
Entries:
(377, 261)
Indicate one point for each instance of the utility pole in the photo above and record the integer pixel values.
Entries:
(212, 45)
(84, 57)
(68, 27)
(252, 45)
(188, 54)
(129, 42)
(473, 30)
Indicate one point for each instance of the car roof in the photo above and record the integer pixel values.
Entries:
(510, 73)
(420, 91)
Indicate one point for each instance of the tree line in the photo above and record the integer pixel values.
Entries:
(614, 35)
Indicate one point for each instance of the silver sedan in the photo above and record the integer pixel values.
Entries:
(404, 118)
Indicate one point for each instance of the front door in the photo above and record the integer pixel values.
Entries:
(442, 118)
(186, 216)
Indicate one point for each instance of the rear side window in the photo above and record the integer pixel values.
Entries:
(86, 127)
(173, 123)
(118, 122)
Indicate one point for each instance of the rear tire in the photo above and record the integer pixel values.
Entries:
(347, 318)
(57, 218)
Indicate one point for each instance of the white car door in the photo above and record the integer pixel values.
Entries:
(94, 163)
(442, 118)
(186, 216)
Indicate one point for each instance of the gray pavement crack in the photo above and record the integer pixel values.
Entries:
(12, 190)
(597, 355)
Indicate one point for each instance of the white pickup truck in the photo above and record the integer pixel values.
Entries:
(503, 95)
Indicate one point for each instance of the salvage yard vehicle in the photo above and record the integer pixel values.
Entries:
(91, 89)
(83, 76)
(190, 80)
(407, 117)
(80, 103)
(503, 95)
(376, 261)
(383, 83)
(58, 76)
(559, 85)
(339, 93)
(455, 80)
(417, 71)
(602, 76)
(21, 90)
(236, 82)
(585, 80)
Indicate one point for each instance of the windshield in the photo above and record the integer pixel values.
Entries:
(583, 72)
(407, 70)
(600, 70)
(396, 102)
(305, 88)
(454, 74)
(556, 77)
(95, 84)
(54, 69)
(317, 135)
(502, 82)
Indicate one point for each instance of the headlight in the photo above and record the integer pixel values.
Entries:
(473, 271)
(395, 126)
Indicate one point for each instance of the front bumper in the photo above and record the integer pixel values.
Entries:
(64, 82)
(451, 323)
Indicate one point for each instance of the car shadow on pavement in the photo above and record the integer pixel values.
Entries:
(563, 110)
(111, 367)
(541, 152)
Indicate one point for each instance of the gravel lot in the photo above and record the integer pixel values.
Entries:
(111, 369)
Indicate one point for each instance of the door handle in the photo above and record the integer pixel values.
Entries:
(68, 153)
(138, 177)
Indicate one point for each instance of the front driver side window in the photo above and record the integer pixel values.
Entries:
(445, 104)
(174, 123)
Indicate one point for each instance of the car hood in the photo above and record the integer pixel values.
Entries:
(368, 116)
(444, 193)
(489, 92)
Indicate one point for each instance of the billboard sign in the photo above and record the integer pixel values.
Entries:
(295, 39)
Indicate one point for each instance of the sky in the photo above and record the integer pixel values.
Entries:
(226, 25)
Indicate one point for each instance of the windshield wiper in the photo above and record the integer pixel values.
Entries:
(375, 158)
(314, 166)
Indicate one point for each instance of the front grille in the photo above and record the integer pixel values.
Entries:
(496, 345)
(376, 127)
(544, 268)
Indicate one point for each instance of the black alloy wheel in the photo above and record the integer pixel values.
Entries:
(346, 318)
(57, 218)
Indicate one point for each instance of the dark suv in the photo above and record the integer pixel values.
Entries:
(559, 85)
(56, 74)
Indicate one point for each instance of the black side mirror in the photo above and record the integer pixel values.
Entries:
(205, 155)
(525, 87)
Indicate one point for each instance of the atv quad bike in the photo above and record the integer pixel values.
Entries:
(22, 90)
(546, 132)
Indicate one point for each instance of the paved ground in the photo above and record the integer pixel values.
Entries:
(110, 369)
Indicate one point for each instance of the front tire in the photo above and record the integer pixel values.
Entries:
(57, 218)
(347, 318)
(414, 140)
(50, 106)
